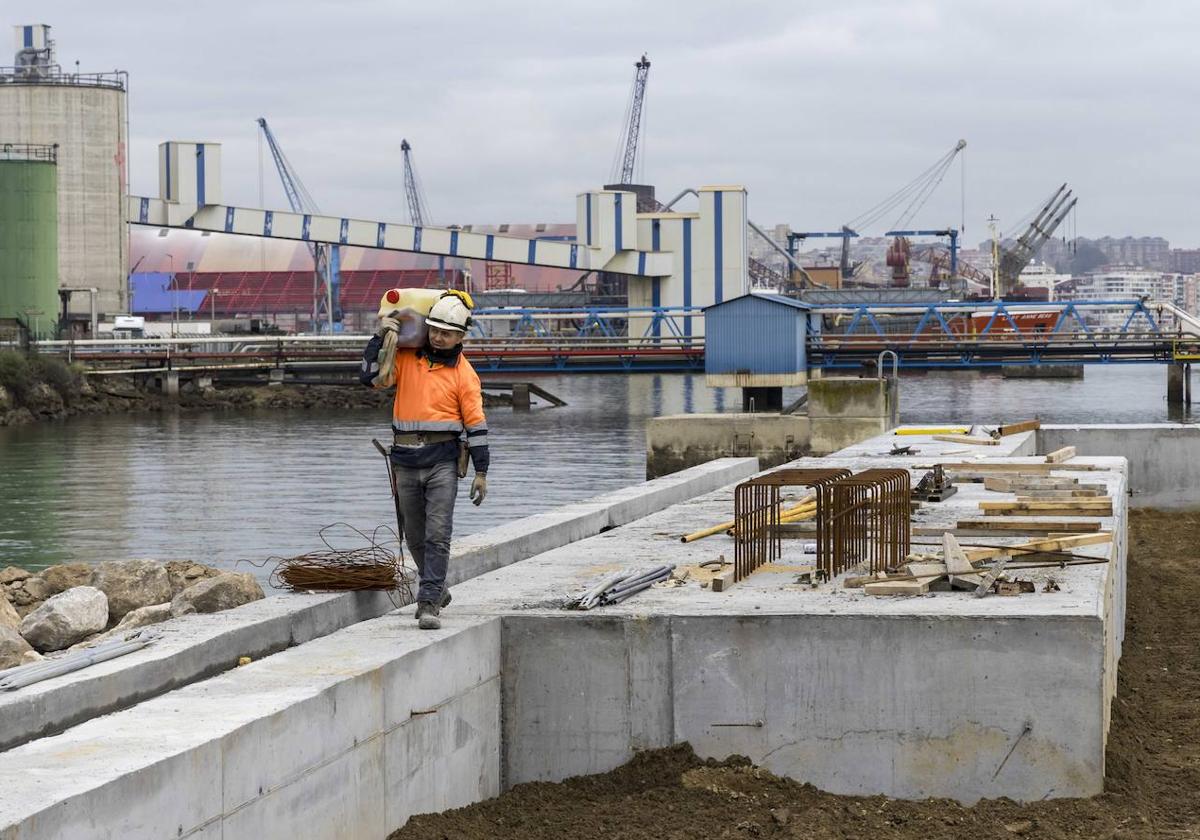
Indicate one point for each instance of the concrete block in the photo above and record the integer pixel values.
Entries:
(1164, 458)
(840, 397)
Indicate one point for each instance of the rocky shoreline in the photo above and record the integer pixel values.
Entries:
(75, 605)
(34, 390)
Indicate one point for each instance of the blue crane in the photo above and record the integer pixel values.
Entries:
(845, 234)
(326, 258)
(412, 189)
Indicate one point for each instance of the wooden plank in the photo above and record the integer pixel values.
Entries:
(1068, 504)
(1017, 428)
(896, 587)
(968, 582)
(1039, 467)
(1006, 524)
(954, 558)
(1059, 512)
(974, 441)
(1025, 495)
(1052, 544)
(1060, 455)
(927, 569)
(989, 577)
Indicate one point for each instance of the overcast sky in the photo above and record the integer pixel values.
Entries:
(819, 108)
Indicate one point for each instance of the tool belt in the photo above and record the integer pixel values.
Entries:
(422, 438)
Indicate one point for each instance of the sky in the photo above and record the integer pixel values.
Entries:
(820, 109)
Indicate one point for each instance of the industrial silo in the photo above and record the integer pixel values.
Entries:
(84, 114)
(28, 237)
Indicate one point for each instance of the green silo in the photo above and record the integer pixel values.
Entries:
(29, 236)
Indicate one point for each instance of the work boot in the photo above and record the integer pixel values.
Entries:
(427, 616)
(444, 601)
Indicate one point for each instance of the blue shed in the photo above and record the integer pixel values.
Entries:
(756, 341)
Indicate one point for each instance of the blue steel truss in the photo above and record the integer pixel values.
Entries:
(986, 334)
(664, 324)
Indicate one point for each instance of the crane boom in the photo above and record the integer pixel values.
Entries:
(634, 128)
(1014, 259)
(416, 208)
(326, 261)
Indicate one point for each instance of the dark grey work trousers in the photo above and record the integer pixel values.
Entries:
(427, 510)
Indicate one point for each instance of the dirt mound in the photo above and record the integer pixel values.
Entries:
(1152, 788)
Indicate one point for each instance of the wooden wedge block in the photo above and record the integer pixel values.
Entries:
(1017, 428)
(1008, 524)
(896, 587)
(1027, 495)
(723, 581)
(1060, 455)
(974, 441)
(1038, 468)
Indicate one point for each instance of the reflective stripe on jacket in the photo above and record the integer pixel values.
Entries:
(435, 397)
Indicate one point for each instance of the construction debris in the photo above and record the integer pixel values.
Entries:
(974, 441)
(934, 486)
(1017, 428)
(619, 586)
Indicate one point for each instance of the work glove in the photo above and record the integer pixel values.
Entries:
(388, 324)
(479, 488)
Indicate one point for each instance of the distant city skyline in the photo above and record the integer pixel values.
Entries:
(820, 110)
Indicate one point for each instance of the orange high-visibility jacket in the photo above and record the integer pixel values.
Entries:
(435, 397)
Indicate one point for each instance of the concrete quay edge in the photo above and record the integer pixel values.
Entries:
(197, 647)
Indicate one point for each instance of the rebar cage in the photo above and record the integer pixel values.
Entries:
(757, 514)
(863, 520)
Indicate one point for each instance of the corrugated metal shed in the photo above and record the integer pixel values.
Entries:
(756, 341)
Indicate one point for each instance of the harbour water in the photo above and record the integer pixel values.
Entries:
(235, 487)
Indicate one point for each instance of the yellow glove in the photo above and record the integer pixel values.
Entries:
(479, 488)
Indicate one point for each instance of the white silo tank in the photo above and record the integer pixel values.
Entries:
(85, 114)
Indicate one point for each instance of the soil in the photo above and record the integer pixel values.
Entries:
(1151, 790)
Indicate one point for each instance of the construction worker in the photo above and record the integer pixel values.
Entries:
(438, 404)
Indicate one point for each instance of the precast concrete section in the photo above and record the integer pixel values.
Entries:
(199, 646)
(1164, 458)
(350, 734)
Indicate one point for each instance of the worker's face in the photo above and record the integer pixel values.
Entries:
(444, 339)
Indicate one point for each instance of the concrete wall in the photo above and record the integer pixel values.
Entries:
(345, 737)
(680, 441)
(1164, 458)
(907, 706)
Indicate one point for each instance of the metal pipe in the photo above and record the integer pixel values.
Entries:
(44, 671)
(791, 260)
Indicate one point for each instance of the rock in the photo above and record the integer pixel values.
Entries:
(143, 617)
(31, 590)
(66, 618)
(11, 574)
(12, 648)
(225, 591)
(183, 573)
(6, 400)
(1019, 827)
(30, 656)
(67, 575)
(44, 400)
(8, 616)
(781, 815)
(130, 584)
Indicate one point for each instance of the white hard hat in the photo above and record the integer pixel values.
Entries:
(450, 313)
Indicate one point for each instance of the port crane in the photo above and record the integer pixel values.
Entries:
(1014, 258)
(326, 258)
(632, 127)
(418, 206)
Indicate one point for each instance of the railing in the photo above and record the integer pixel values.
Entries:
(53, 75)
